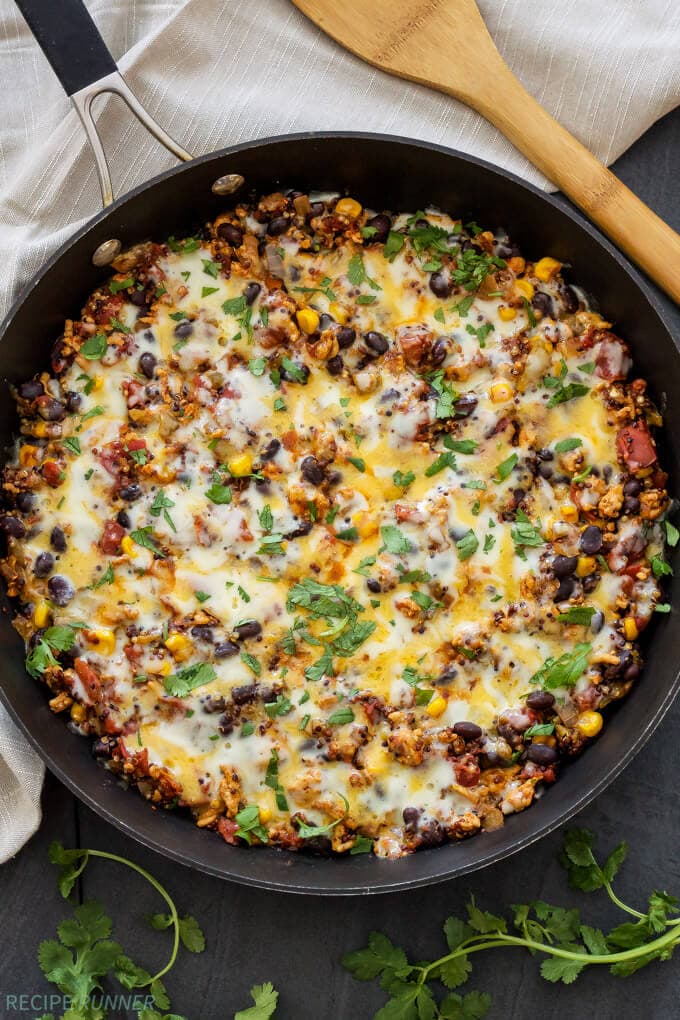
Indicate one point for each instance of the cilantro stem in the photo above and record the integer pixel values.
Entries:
(501, 940)
(620, 904)
(162, 891)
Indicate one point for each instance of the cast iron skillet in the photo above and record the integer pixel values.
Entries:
(383, 173)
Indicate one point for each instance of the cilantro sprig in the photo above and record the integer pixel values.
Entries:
(554, 932)
(84, 952)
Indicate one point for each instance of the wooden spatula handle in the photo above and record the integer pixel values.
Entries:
(622, 216)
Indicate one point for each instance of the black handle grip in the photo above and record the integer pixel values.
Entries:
(70, 40)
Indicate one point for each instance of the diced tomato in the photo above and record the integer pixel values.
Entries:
(108, 309)
(112, 536)
(467, 770)
(53, 473)
(89, 678)
(635, 447)
(227, 830)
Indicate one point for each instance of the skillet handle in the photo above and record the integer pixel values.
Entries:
(79, 57)
(70, 40)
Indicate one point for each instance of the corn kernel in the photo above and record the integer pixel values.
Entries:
(78, 713)
(436, 707)
(546, 268)
(365, 523)
(544, 739)
(41, 614)
(569, 513)
(525, 288)
(589, 723)
(104, 641)
(501, 392)
(630, 629)
(128, 546)
(585, 566)
(241, 465)
(338, 312)
(40, 429)
(28, 455)
(165, 669)
(308, 320)
(97, 383)
(506, 314)
(265, 814)
(348, 207)
(179, 645)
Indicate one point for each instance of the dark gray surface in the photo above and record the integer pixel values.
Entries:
(296, 942)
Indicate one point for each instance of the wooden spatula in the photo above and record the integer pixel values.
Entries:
(445, 44)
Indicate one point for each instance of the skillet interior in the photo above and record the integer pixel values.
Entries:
(382, 172)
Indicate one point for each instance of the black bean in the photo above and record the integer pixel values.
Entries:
(58, 539)
(565, 590)
(325, 322)
(439, 351)
(184, 329)
(249, 629)
(447, 676)
(345, 337)
(440, 285)
(233, 235)
(591, 540)
(130, 492)
(376, 342)
(374, 585)
(300, 370)
(433, 834)
(541, 700)
(632, 673)
(31, 389)
(465, 405)
(632, 487)
(334, 477)
(545, 454)
(312, 471)
(542, 302)
(225, 649)
(631, 505)
(251, 292)
(243, 695)
(12, 526)
(597, 621)
(492, 760)
(303, 528)
(61, 590)
(279, 225)
(225, 726)
(271, 449)
(123, 519)
(570, 299)
(202, 633)
(382, 225)
(335, 365)
(545, 471)
(137, 297)
(44, 564)
(563, 566)
(51, 410)
(103, 747)
(590, 583)
(542, 754)
(506, 249)
(467, 730)
(73, 401)
(147, 364)
(411, 816)
(316, 209)
(25, 502)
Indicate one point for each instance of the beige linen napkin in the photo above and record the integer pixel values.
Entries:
(218, 72)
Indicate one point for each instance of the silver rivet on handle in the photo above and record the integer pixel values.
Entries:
(106, 252)
(228, 184)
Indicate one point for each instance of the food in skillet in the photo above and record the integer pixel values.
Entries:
(338, 528)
